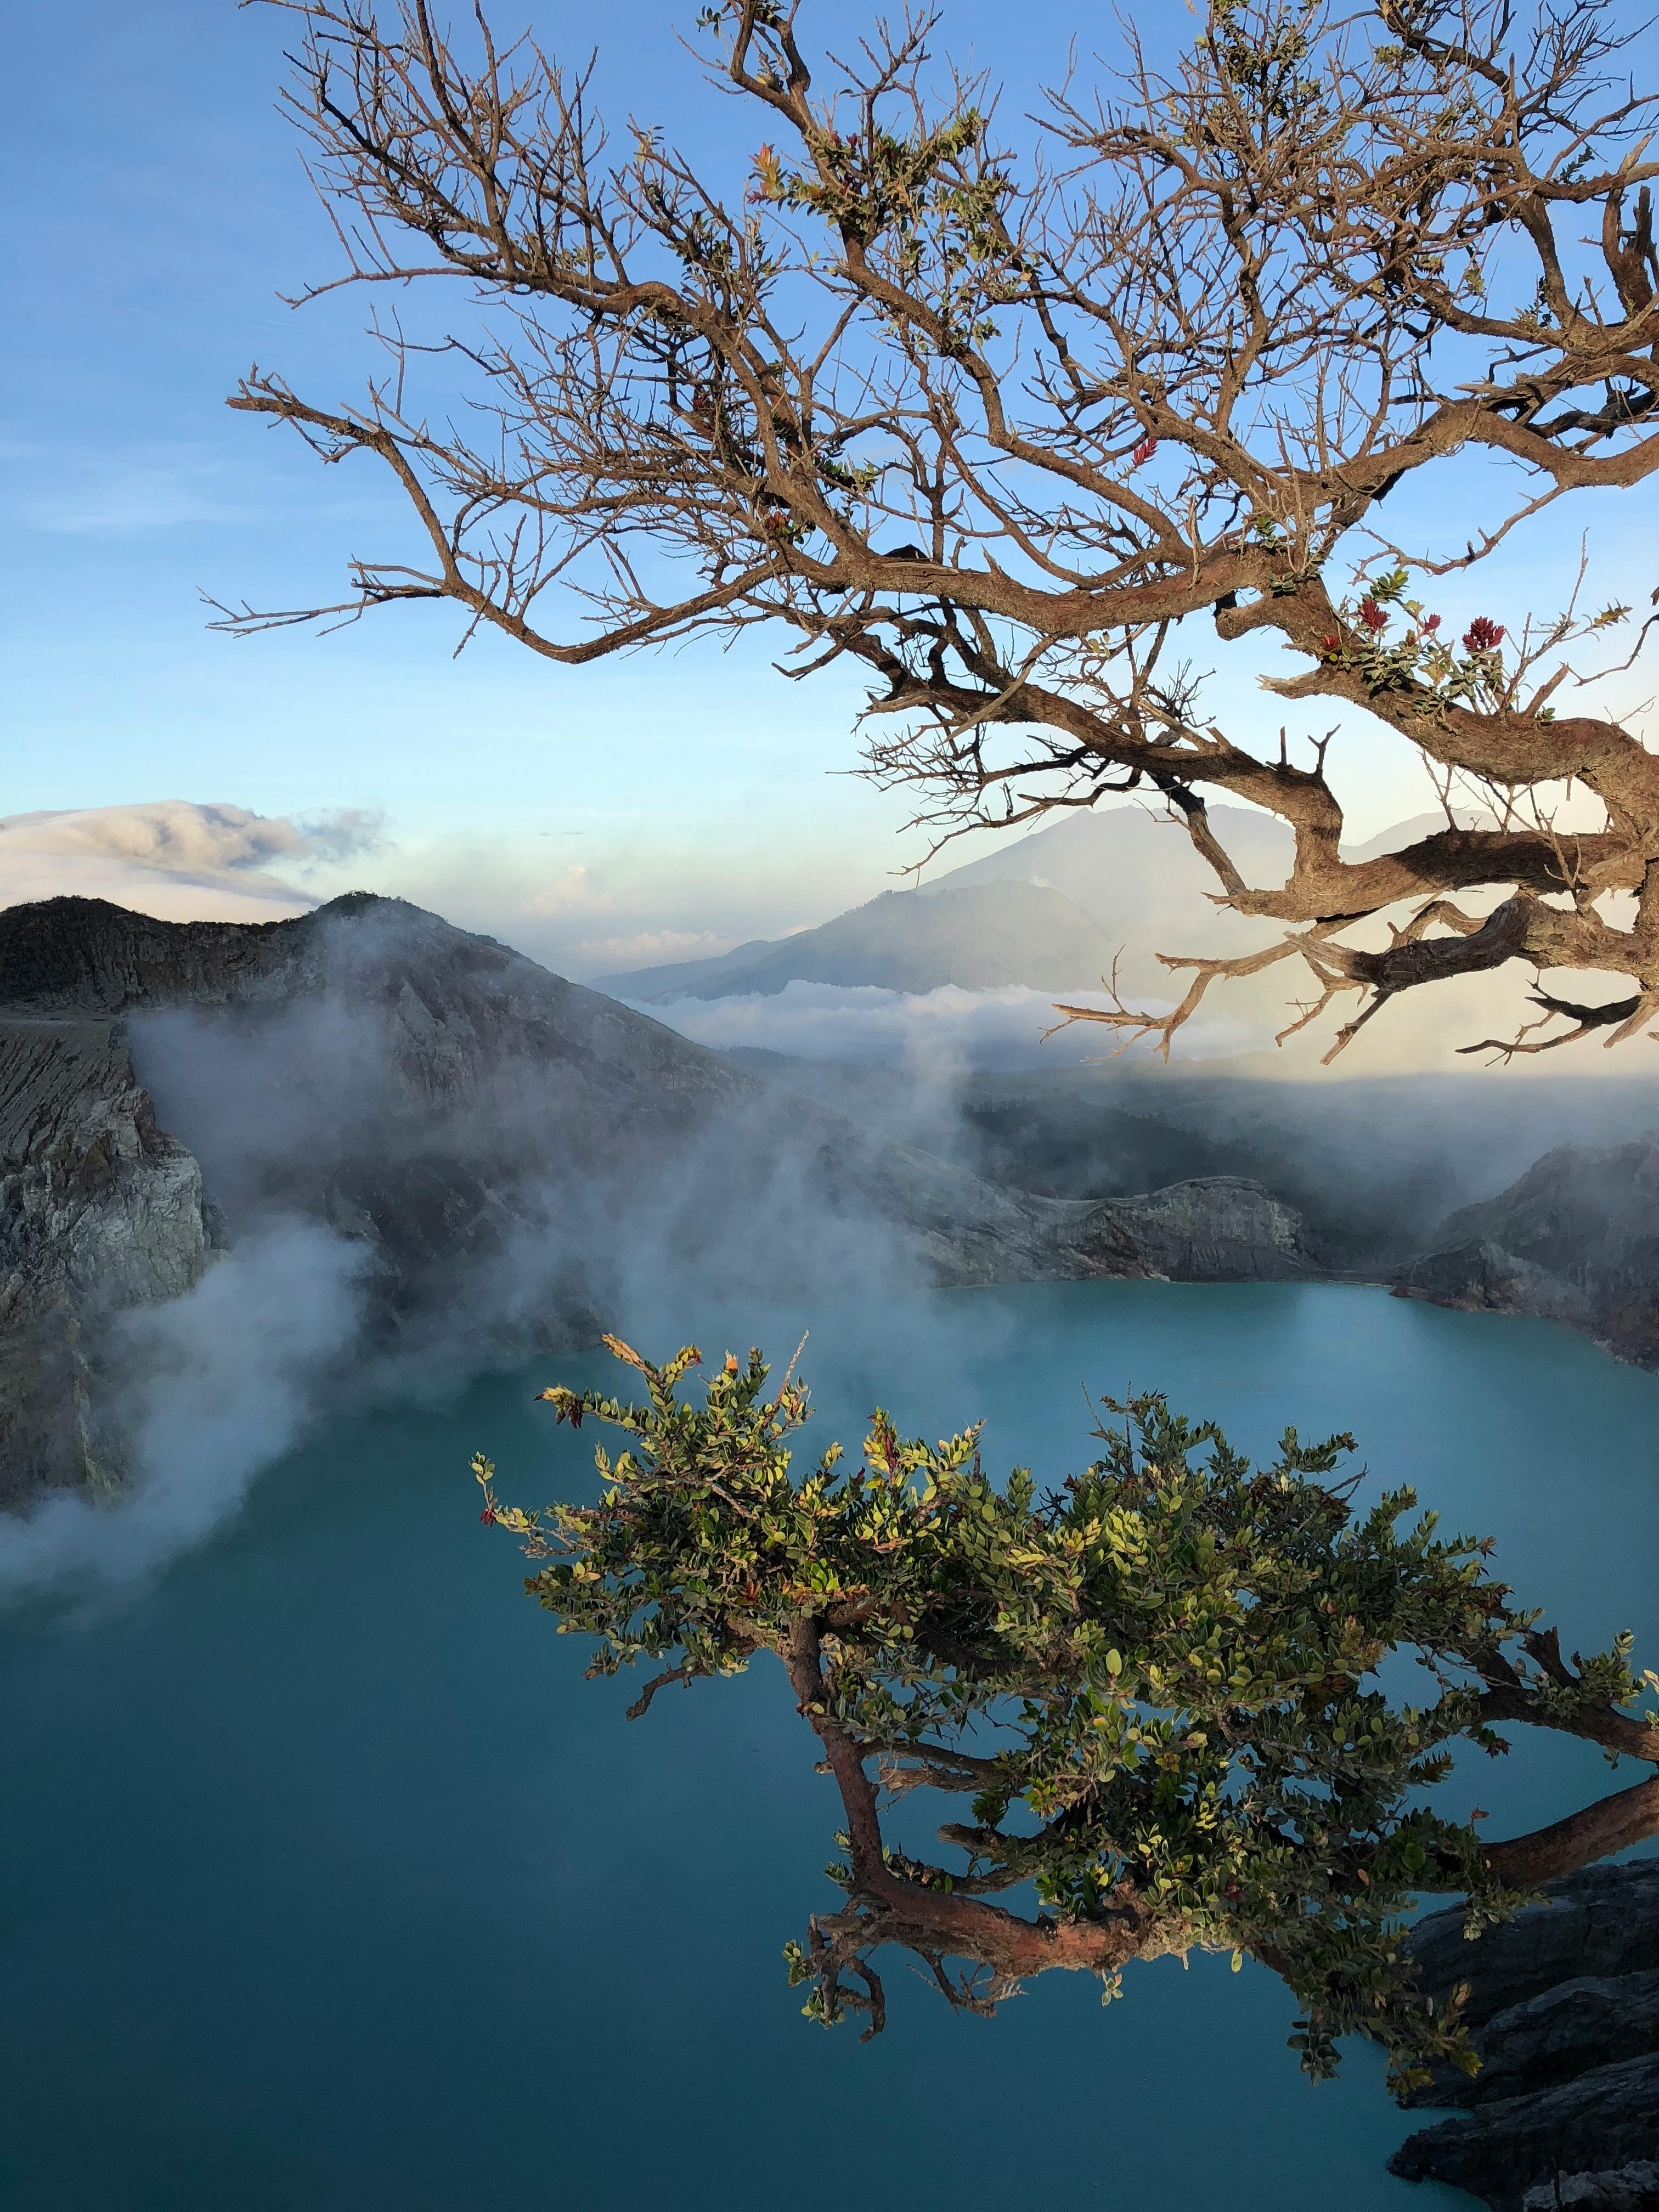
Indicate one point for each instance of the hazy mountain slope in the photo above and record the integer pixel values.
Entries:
(497, 1157)
(1127, 867)
(1375, 1166)
(980, 937)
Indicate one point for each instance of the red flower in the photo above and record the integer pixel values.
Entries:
(1482, 635)
(1144, 450)
(1373, 617)
(489, 1513)
(1330, 645)
(1431, 622)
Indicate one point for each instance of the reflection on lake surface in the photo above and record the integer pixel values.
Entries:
(325, 1881)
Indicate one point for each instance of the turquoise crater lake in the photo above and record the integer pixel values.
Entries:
(325, 1881)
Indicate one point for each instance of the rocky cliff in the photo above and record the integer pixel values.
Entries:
(503, 1143)
(100, 1209)
(1565, 2006)
(1575, 1240)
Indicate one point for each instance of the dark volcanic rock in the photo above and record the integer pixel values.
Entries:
(1564, 2004)
(1553, 2037)
(1628, 2189)
(1603, 2119)
(1576, 1239)
(1481, 1277)
(1602, 1921)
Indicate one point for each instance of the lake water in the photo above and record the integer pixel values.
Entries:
(325, 1881)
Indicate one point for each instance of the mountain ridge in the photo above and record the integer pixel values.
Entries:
(978, 937)
(499, 1145)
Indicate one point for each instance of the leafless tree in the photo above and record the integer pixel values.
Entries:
(1002, 430)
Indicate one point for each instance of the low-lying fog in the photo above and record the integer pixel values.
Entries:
(308, 1147)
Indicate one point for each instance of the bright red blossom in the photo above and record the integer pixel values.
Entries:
(1373, 617)
(1144, 450)
(1483, 636)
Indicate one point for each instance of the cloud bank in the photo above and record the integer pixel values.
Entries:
(177, 860)
(183, 861)
(930, 1031)
(941, 1034)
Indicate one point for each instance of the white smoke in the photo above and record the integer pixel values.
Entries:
(227, 1378)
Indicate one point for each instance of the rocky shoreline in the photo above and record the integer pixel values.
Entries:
(1565, 2008)
(1575, 1240)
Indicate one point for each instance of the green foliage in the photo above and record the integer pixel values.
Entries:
(1159, 1682)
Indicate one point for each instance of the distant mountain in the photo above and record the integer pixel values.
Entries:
(1096, 890)
(1127, 867)
(1050, 912)
(983, 936)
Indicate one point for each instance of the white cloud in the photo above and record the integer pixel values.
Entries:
(936, 1034)
(338, 834)
(175, 858)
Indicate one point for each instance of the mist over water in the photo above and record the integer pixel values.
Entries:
(389, 1237)
(311, 1139)
(408, 1198)
(221, 1383)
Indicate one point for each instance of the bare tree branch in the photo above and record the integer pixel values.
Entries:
(1001, 424)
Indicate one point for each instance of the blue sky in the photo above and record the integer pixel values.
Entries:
(158, 207)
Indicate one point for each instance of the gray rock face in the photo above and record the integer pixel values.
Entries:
(1553, 2037)
(1481, 1277)
(420, 1090)
(1576, 1240)
(1630, 2189)
(1502, 2152)
(99, 1211)
(1602, 1921)
(502, 1140)
(1564, 2002)
(1217, 1229)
